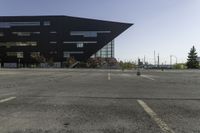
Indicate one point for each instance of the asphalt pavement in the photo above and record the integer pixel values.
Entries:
(99, 101)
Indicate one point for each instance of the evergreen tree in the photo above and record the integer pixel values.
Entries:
(192, 59)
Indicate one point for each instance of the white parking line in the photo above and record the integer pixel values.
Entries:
(109, 76)
(164, 127)
(7, 99)
(145, 76)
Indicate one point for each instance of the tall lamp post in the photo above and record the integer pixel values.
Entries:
(171, 59)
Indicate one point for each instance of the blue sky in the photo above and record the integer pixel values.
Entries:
(166, 26)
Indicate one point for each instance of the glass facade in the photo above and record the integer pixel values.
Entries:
(106, 52)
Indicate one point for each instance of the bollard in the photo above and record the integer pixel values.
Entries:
(138, 68)
(138, 73)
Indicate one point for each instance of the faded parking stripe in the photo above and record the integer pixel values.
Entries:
(148, 77)
(7, 99)
(164, 127)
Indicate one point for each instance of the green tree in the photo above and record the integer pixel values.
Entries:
(179, 66)
(126, 65)
(192, 62)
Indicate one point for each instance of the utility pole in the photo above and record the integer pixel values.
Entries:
(144, 64)
(171, 61)
(158, 61)
(154, 58)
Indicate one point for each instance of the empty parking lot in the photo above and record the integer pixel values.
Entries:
(86, 101)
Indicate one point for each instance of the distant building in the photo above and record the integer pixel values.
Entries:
(22, 38)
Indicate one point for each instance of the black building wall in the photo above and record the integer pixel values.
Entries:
(55, 35)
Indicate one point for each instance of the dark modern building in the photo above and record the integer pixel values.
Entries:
(23, 38)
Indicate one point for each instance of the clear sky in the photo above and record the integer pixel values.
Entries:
(166, 26)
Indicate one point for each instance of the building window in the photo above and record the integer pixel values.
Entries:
(37, 32)
(53, 42)
(66, 54)
(26, 43)
(87, 33)
(84, 42)
(47, 23)
(22, 33)
(84, 33)
(35, 54)
(53, 32)
(24, 23)
(10, 44)
(15, 24)
(11, 53)
(79, 45)
(53, 52)
(15, 54)
(5, 25)
(1, 34)
(20, 54)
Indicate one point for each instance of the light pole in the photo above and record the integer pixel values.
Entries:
(158, 61)
(171, 59)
